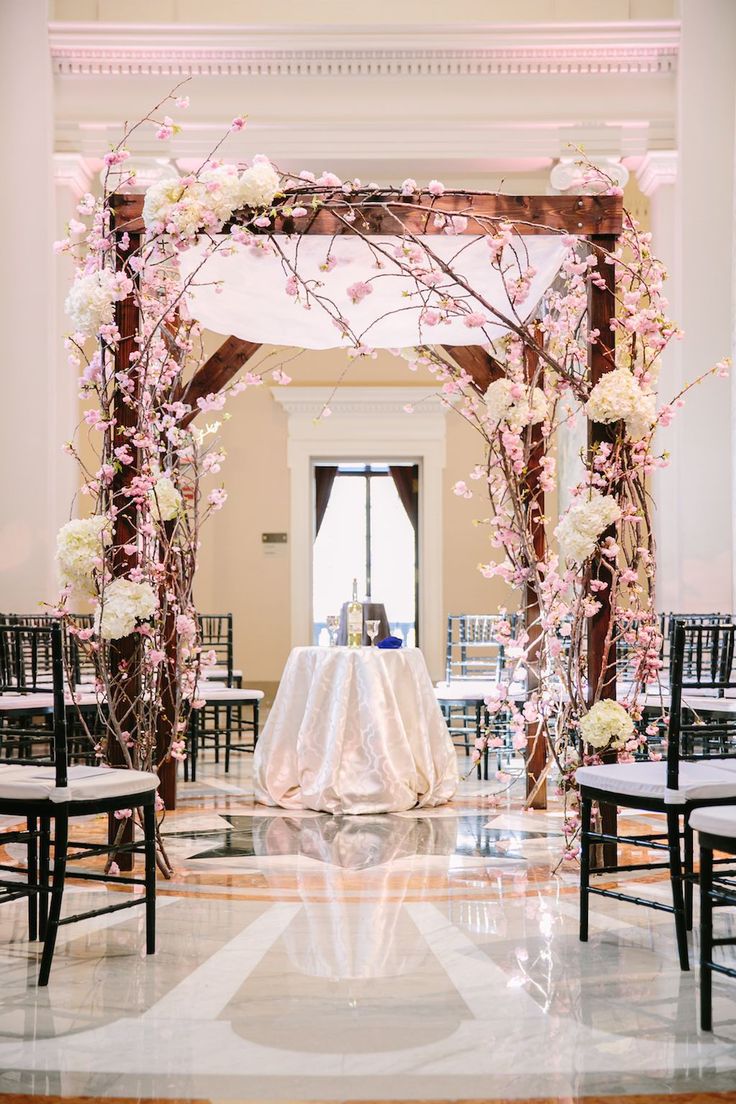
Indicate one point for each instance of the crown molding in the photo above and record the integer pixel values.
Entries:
(307, 403)
(319, 142)
(73, 171)
(658, 167)
(542, 49)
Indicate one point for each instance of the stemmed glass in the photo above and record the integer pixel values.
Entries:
(371, 627)
(333, 624)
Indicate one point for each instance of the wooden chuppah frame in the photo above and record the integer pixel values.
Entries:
(599, 219)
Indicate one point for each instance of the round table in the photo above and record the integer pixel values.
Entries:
(355, 730)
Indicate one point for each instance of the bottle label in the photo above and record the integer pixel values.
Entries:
(355, 624)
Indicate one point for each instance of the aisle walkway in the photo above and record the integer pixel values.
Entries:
(428, 956)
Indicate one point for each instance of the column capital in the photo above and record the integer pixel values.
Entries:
(73, 171)
(566, 176)
(657, 167)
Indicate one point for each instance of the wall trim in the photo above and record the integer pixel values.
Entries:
(472, 50)
(367, 423)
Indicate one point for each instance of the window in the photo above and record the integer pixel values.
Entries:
(366, 525)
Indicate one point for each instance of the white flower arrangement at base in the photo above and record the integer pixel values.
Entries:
(515, 404)
(617, 397)
(606, 724)
(166, 500)
(79, 546)
(579, 531)
(124, 604)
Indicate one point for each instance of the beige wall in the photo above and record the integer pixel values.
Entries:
(235, 574)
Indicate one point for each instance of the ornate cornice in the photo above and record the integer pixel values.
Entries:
(373, 402)
(73, 171)
(126, 49)
(658, 167)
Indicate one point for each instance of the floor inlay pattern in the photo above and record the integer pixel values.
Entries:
(423, 956)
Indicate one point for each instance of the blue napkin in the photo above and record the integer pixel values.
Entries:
(390, 642)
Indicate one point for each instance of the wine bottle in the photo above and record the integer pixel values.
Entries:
(355, 619)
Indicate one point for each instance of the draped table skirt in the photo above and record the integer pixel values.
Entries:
(355, 730)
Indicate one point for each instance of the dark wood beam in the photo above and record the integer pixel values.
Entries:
(582, 215)
(477, 363)
(601, 653)
(216, 372)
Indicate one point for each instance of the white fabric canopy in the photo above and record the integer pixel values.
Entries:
(252, 302)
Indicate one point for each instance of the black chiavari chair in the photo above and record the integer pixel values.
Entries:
(699, 770)
(716, 828)
(40, 787)
(231, 713)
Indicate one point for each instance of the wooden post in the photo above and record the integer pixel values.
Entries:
(536, 757)
(124, 654)
(602, 359)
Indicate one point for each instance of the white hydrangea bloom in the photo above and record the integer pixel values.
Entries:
(207, 202)
(518, 412)
(166, 500)
(618, 397)
(606, 724)
(79, 544)
(89, 303)
(125, 604)
(259, 184)
(159, 200)
(579, 531)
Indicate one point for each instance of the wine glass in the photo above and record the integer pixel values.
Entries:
(371, 627)
(333, 624)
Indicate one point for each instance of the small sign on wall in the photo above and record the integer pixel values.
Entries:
(274, 544)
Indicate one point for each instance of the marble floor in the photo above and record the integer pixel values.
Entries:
(428, 955)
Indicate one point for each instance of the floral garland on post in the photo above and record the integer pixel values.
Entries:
(604, 542)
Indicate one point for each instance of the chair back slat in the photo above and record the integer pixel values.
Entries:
(216, 635)
(702, 658)
(473, 652)
(31, 664)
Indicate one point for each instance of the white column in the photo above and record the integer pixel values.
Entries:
(28, 449)
(72, 178)
(657, 176)
(701, 439)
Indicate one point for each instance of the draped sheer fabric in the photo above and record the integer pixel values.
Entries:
(244, 294)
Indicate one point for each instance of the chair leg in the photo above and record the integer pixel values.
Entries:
(43, 877)
(194, 749)
(149, 832)
(61, 836)
(706, 938)
(216, 722)
(32, 864)
(256, 723)
(586, 810)
(678, 898)
(228, 736)
(689, 867)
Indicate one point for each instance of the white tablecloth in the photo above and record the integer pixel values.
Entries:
(355, 730)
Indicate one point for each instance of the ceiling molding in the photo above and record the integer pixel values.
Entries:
(74, 172)
(476, 145)
(542, 49)
(657, 168)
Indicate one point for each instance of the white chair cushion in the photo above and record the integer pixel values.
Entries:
(649, 780)
(720, 820)
(214, 695)
(216, 673)
(469, 690)
(85, 783)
